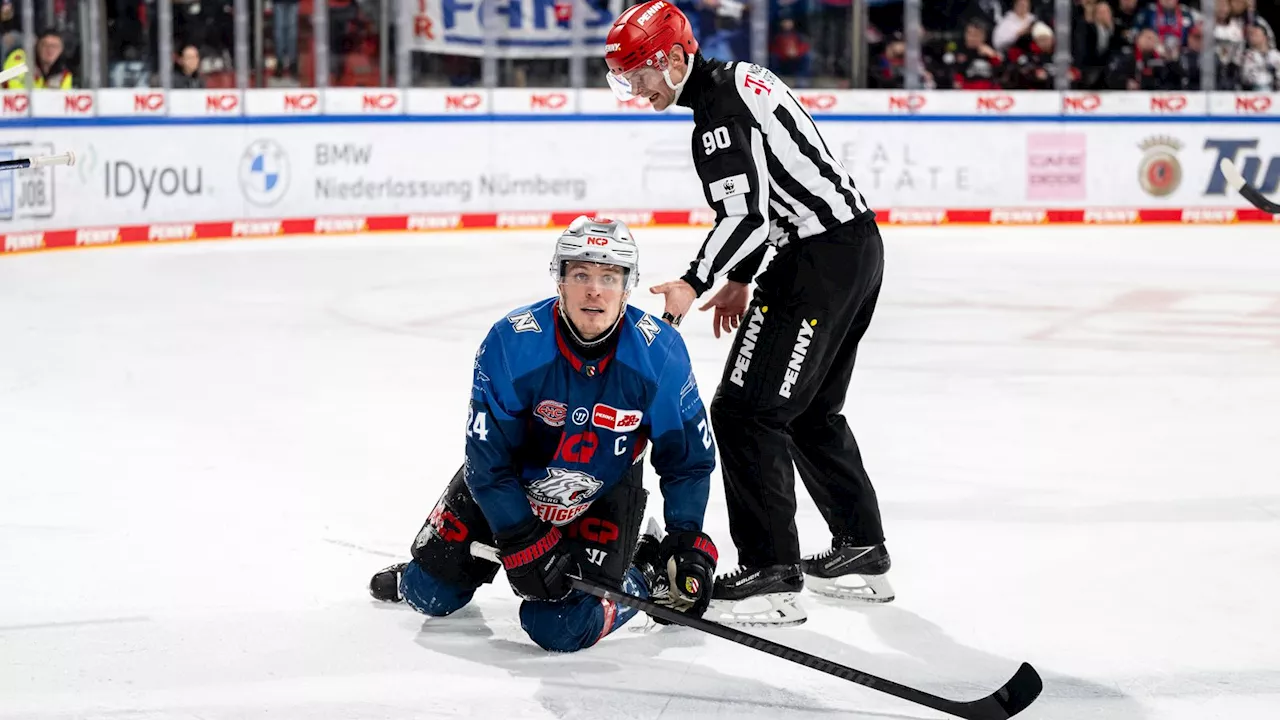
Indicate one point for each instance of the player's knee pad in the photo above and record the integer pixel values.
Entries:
(443, 545)
(430, 595)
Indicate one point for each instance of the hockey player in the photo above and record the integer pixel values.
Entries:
(565, 397)
(772, 180)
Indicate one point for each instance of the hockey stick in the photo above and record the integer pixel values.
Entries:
(66, 158)
(1012, 698)
(1237, 183)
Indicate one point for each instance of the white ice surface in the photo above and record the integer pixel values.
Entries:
(206, 450)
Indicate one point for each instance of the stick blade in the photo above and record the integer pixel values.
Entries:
(1229, 171)
(1010, 699)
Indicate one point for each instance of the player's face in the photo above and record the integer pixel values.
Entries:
(593, 295)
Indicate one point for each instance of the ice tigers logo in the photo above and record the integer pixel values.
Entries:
(562, 495)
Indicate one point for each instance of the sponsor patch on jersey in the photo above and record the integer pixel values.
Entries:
(524, 322)
(759, 80)
(728, 187)
(562, 495)
(614, 419)
(552, 413)
(580, 416)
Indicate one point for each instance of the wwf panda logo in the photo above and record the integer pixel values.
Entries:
(728, 185)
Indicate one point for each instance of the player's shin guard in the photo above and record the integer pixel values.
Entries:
(580, 620)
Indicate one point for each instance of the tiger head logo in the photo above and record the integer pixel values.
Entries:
(563, 494)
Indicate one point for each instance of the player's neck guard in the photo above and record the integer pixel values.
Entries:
(589, 347)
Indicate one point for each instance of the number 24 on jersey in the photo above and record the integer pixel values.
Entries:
(476, 425)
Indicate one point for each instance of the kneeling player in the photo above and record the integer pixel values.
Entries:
(565, 396)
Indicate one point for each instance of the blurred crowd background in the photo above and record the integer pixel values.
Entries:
(928, 44)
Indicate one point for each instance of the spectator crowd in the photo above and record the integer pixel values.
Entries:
(966, 44)
(1154, 45)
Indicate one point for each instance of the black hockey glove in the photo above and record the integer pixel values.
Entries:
(691, 566)
(537, 562)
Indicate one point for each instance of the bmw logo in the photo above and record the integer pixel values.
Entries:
(264, 173)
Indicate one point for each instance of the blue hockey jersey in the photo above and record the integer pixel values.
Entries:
(550, 432)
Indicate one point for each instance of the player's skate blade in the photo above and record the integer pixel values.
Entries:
(758, 597)
(385, 584)
(849, 572)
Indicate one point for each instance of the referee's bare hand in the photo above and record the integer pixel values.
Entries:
(730, 303)
(679, 297)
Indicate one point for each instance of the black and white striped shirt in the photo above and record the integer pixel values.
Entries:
(765, 169)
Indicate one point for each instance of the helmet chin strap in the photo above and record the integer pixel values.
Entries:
(573, 329)
(678, 87)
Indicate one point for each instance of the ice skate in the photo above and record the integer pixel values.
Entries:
(850, 572)
(758, 597)
(385, 584)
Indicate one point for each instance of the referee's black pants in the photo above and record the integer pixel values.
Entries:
(782, 391)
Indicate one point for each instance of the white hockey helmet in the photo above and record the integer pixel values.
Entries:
(598, 240)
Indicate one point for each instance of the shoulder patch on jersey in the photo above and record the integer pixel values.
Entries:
(759, 80)
(728, 187)
(524, 322)
(649, 328)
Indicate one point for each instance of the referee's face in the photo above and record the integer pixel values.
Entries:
(649, 83)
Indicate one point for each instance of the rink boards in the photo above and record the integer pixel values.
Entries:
(183, 166)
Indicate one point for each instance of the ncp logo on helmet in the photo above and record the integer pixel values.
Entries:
(638, 51)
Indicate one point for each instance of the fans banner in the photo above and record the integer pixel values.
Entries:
(511, 28)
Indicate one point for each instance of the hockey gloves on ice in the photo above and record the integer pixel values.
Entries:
(537, 561)
(691, 565)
